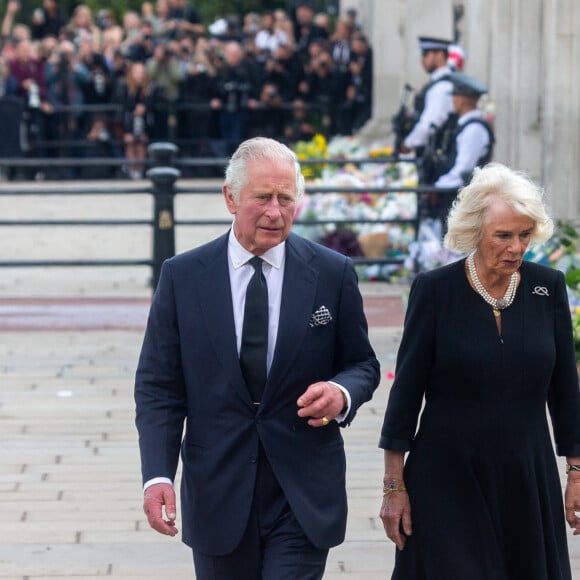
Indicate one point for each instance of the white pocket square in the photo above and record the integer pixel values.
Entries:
(320, 317)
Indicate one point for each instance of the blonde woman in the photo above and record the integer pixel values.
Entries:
(82, 26)
(487, 345)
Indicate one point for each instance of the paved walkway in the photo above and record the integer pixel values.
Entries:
(70, 500)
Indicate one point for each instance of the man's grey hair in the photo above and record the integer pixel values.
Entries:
(259, 149)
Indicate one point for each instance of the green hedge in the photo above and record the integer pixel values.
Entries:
(209, 9)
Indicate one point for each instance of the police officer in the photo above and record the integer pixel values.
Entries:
(473, 139)
(433, 103)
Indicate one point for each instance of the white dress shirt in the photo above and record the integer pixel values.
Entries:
(438, 106)
(241, 271)
(472, 143)
(266, 40)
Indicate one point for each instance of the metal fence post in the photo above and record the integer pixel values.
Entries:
(163, 179)
(162, 154)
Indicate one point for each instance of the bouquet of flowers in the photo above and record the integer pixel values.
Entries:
(428, 251)
(346, 148)
(316, 148)
(381, 151)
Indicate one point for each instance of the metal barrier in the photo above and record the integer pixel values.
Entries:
(164, 189)
(74, 136)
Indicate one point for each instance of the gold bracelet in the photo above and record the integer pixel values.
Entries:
(392, 486)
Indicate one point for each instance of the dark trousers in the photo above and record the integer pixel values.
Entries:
(273, 547)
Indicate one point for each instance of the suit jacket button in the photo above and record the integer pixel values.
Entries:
(253, 460)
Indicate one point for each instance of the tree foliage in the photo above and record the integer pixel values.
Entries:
(210, 10)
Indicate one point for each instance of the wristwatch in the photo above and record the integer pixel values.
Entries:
(572, 467)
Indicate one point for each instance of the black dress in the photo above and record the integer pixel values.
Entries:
(486, 500)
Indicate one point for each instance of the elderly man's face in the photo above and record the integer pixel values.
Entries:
(265, 210)
(233, 54)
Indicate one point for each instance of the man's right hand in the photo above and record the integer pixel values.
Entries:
(13, 6)
(158, 496)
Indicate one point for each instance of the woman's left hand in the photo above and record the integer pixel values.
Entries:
(572, 502)
(396, 516)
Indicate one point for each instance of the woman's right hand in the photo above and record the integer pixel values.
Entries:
(396, 516)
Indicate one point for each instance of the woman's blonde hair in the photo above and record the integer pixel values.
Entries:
(495, 182)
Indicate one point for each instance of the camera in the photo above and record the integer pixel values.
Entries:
(100, 83)
(103, 19)
(33, 96)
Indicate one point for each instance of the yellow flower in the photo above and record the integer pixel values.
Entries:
(319, 141)
(316, 148)
(381, 152)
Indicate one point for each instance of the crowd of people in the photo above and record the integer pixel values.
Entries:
(113, 87)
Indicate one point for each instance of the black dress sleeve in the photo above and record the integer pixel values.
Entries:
(414, 363)
(564, 393)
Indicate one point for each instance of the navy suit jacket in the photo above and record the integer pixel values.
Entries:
(189, 375)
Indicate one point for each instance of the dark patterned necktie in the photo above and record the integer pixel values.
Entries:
(254, 349)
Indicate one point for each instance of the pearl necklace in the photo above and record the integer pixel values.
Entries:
(498, 304)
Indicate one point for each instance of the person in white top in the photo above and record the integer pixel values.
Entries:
(433, 103)
(269, 38)
(473, 137)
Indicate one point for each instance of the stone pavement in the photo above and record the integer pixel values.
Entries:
(70, 499)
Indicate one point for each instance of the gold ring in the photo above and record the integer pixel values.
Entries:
(325, 421)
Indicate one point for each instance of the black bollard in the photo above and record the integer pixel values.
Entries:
(162, 154)
(163, 179)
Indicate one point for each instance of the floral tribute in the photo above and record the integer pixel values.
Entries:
(359, 223)
(562, 251)
(364, 224)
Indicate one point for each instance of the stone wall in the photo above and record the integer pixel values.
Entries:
(526, 51)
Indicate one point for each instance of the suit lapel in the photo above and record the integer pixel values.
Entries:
(216, 296)
(298, 293)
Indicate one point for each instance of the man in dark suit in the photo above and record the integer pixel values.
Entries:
(263, 484)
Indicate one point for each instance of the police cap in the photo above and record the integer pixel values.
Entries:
(427, 43)
(467, 86)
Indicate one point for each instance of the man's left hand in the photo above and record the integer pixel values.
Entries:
(322, 402)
